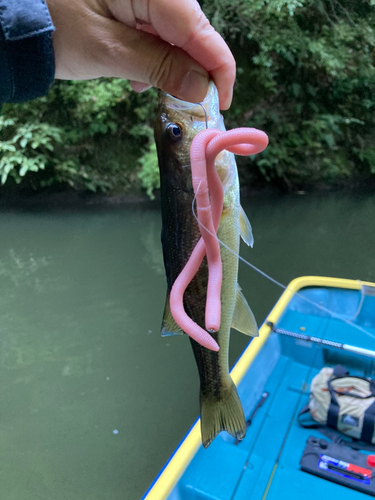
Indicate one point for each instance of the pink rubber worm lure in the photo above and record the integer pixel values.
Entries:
(208, 190)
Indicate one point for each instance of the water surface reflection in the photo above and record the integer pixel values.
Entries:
(81, 299)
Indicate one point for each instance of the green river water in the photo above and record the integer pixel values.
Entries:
(92, 400)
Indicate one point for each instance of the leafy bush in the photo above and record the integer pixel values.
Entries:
(149, 175)
(305, 75)
(25, 148)
(89, 135)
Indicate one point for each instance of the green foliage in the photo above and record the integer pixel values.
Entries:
(149, 175)
(25, 148)
(306, 76)
(87, 135)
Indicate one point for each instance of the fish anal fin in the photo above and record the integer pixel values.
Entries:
(246, 231)
(169, 327)
(243, 318)
(222, 414)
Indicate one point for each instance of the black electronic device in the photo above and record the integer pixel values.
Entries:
(340, 464)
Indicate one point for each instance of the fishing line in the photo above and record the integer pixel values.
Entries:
(274, 281)
(265, 275)
(204, 111)
(360, 303)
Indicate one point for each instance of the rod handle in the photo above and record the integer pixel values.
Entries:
(359, 350)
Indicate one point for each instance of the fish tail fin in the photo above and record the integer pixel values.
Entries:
(222, 413)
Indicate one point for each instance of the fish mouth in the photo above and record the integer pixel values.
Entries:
(178, 104)
(208, 108)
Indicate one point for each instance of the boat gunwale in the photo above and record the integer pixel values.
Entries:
(182, 456)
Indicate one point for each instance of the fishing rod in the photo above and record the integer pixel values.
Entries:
(324, 342)
(258, 405)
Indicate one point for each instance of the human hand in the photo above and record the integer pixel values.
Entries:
(163, 43)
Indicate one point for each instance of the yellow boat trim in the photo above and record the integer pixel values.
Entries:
(179, 462)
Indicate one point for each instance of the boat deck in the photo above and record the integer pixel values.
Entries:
(266, 463)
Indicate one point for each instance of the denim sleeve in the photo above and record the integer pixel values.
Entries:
(27, 62)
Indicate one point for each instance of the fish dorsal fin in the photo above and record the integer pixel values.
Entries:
(245, 229)
(243, 318)
(169, 327)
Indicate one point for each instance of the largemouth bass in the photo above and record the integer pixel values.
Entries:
(176, 125)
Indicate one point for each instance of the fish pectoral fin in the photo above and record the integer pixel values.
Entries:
(246, 231)
(243, 318)
(169, 327)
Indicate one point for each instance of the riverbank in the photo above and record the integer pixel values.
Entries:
(52, 198)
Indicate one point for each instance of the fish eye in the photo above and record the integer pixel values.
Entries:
(175, 132)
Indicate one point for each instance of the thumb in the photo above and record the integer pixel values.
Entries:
(147, 60)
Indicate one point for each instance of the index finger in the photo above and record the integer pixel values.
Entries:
(182, 23)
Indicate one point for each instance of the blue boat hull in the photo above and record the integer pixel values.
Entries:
(266, 464)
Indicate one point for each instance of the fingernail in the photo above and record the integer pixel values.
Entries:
(194, 86)
(139, 87)
(227, 102)
(143, 88)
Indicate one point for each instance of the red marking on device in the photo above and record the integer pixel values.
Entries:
(359, 470)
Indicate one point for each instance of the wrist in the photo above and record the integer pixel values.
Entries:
(27, 58)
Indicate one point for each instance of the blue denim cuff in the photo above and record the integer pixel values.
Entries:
(27, 64)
